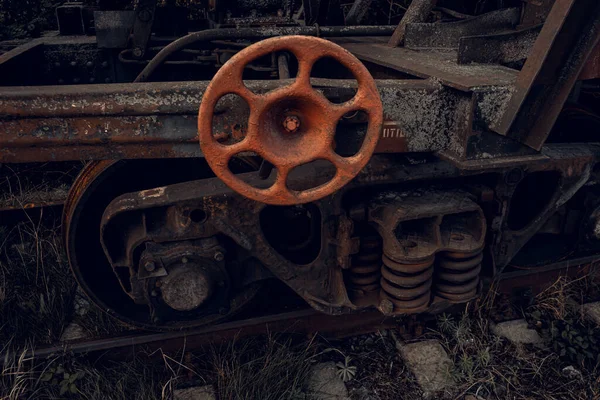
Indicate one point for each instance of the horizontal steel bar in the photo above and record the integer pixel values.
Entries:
(147, 120)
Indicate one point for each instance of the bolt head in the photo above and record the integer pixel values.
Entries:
(145, 15)
(137, 52)
(219, 256)
(291, 123)
(149, 266)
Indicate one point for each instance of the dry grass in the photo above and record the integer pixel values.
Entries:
(36, 287)
(62, 376)
(380, 371)
(21, 185)
(256, 368)
(558, 316)
(493, 368)
(268, 368)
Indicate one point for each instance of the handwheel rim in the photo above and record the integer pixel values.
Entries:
(260, 140)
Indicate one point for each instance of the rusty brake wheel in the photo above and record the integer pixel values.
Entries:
(292, 125)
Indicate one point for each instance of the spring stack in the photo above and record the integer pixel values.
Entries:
(407, 284)
(366, 266)
(457, 276)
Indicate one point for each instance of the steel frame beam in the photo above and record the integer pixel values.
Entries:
(149, 120)
(568, 37)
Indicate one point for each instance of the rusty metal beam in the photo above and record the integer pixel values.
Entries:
(429, 64)
(499, 48)
(297, 322)
(571, 32)
(149, 120)
(448, 34)
(418, 11)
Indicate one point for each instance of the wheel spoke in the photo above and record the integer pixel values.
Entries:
(306, 61)
(232, 84)
(280, 184)
(338, 161)
(346, 166)
(226, 152)
(352, 105)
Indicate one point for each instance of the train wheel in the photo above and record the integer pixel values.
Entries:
(97, 185)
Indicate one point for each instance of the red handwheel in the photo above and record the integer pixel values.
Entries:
(292, 125)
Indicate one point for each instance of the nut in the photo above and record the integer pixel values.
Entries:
(291, 123)
(149, 266)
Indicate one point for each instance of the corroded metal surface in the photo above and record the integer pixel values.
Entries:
(186, 250)
(568, 37)
(265, 136)
(150, 120)
(499, 48)
(365, 269)
(302, 321)
(458, 275)
(416, 228)
(327, 282)
(448, 34)
(81, 221)
(441, 65)
(186, 288)
(417, 11)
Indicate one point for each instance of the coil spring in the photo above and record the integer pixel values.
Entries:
(366, 265)
(407, 286)
(457, 278)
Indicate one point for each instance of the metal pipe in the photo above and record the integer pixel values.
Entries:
(262, 33)
(283, 66)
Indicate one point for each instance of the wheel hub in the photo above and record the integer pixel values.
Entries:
(186, 287)
(174, 285)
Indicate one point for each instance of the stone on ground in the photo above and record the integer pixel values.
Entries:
(592, 311)
(195, 393)
(325, 384)
(517, 331)
(430, 364)
(72, 332)
(81, 304)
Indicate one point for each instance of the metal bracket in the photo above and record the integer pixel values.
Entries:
(142, 27)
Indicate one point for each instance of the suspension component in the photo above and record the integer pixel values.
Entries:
(417, 228)
(407, 285)
(365, 269)
(457, 275)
